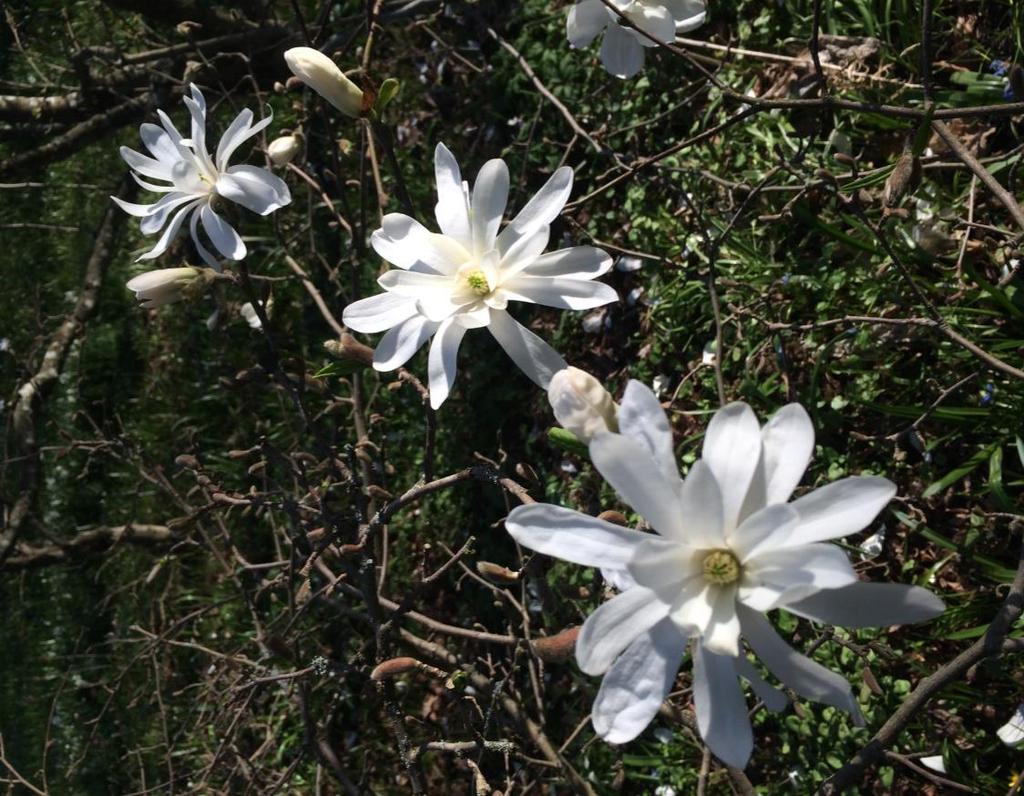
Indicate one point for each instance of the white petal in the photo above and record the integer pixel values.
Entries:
(490, 195)
(654, 20)
(404, 242)
(566, 294)
(721, 708)
(225, 239)
(841, 508)
(732, 448)
(615, 625)
(700, 502)
(378, 313)
(524, 252)
(442, 362)
(585, 21)
(641, 418)
(161, 211)
(452, 209)
(540, 211)
(621, 53)
(146, 166)
(870, 605)
(206, 254)
(638, 682)
(710, 610)
(572, 536)
(809, 679)
(772, 697)
(688, 14)
(1012, 733)
(254, 188)
(628, 465)
(577, 262)
(780, 577)
(196, 105)
(534, 357)
(665, 567)
(240, 131)
(170, 232)
(401, 342)
(788, 442)
(414, 284)
(160, 144)
(133, 209)
(763, 530)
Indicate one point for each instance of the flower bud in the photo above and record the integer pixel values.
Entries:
(557, 648)
(283, 150)
(581, 404)
(322, 75)
(168, 285)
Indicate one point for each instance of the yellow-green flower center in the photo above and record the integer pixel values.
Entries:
(721, 567)
(477, 281)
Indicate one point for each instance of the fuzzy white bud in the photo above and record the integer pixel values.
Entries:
(322, 75)
(581, 404)
(169, 285)
(284, 149)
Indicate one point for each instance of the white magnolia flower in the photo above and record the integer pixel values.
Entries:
(249, 315)
(196, 180)
(169, 285)
(622, 51)
(464, 277)
(283, 150)
(728, 547)
(322, 75)
(581, 404)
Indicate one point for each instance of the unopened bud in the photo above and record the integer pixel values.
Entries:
(496, 573)
(397, 666)
(349, 348)
(557, 648)
(905, 178)
(614, 517)
(283, 150)
(322, 75)
(581, 404)
(170, 285)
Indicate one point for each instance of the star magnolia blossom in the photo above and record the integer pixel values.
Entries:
(622, 51)
(465, 277)
(197, 180)
(728, 548)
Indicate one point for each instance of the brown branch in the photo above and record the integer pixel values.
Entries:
(85, 543)
(33, 392)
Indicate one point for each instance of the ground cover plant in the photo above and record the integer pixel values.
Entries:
(278, 515)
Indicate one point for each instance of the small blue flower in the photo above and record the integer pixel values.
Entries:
(1008, 94)
(786, 278)
(998, 67)
(988, 393)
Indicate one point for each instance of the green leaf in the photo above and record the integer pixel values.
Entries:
(567, 441)
(957, 473)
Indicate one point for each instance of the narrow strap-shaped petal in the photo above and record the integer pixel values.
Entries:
(452, 208)
(772, 697)
(442, 363)
(809, 679)
(566, 294)
(654, 20)
(840, 508)
(533, 356)
(572, 536)
(401, 342)
(766, 529)
(524, 252)
(161, 211)
(577, 262)
(638, 682)
(160, 144)
(779, 577)
(615, 625)
(540, 211)
(378, 313)
(630, 467)
(146, 166)
(223, 236)
(732, 448)
(240, 131)
(403, 241)
(208, 257)
(641, 417)
(490, 196)
(870, 605)
(721, 708)
(700, 502)
(171, 231)
(788, 442)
